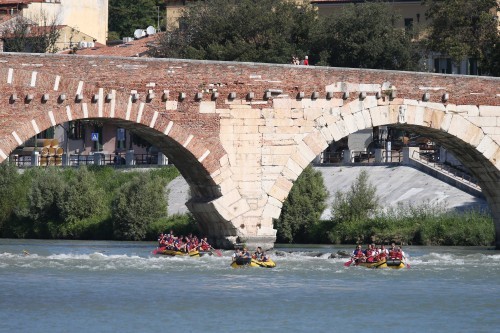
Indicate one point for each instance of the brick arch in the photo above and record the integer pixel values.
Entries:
(45, 100)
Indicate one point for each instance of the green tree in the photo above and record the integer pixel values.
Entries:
(269, 31)
(9, 192)
(352, 209)
(303, 208)
(82, 197)
(45, 190)
(358, 203)
(138, 204)
(125, 16)
(364, 36)
(463, 28)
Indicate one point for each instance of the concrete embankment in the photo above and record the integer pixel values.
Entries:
(394, 184)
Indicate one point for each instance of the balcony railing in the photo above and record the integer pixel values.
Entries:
(118, 160)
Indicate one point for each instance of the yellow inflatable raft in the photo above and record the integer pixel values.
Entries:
(166, 252)
(250, 262)
(384, 263)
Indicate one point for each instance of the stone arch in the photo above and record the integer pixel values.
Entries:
(448, 125)
(45, 100)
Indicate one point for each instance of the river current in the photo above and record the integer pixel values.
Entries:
(100, 286)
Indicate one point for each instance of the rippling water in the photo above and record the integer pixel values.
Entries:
(83, 286)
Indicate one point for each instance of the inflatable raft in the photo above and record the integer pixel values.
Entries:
(166, 252)
(384, 263)
(250, 262)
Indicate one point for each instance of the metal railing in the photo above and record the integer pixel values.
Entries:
(392, 156)
(432, 162)
(328, 157)
(362, 156)
(90, 159)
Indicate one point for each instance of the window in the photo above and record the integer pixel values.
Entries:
(442, 65)
(408, 23)
(121, 139)
(76, 130)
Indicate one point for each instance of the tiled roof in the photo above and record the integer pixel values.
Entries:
(34, 30)
(135, 48)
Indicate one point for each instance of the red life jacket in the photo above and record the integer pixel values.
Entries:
(392, 254)
(399, 255)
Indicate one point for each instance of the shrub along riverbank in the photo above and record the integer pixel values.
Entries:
(117, 204)
(357, 217)
(87, 203)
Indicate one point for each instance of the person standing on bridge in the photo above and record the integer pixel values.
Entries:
(306, 61)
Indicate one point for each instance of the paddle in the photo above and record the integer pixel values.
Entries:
(218, 252)
(347, 264)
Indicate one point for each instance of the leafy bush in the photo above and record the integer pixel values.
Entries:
(82, 198)
(182, 224)
(137, 205)
(12, 190)
(303, 208)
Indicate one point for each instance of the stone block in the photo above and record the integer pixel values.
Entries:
(489, 111)
(279, 122)
(294, 167)
(170, 105)
(436, 118)
(296, 114)
(446, 122)
(316, 143)
(245, 113)
(271, 211)
(471, 110)
(379, 115)
(306, 152)
(356, 106)
(207, 107)
(312, 113)
(487, 147)
(483, 121)
(274, 160)
(300, 160)
(246, 129)
(283, 113)
(289, 174)
(350, 124)
(238, 208)
(282, 103)
(359, 120)
(278, 150)
(326, 133)
(369, 88)
(369, 102)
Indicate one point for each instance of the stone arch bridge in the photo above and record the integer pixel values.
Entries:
(241, 133)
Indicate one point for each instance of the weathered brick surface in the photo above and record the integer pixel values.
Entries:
(250, 149)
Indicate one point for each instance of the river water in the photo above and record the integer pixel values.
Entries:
(100, 286)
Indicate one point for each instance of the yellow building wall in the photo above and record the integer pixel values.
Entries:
(70, 38)
(174, 11)
(414, 10)
(88, 16)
